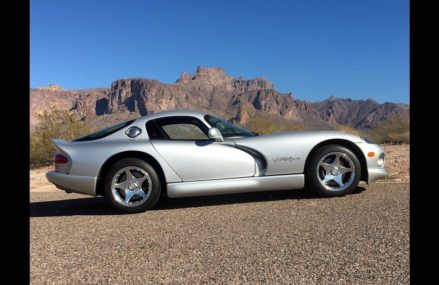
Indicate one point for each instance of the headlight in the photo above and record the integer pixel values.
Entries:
(368, 140)
(380, 160)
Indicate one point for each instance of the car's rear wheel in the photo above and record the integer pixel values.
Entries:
(132, 185)
(333, 170)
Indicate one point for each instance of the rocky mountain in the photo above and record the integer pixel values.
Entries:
(361, 114)
(211, 90)
(88, 103)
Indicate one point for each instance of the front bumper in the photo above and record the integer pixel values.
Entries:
(72, 183)
(376, 174)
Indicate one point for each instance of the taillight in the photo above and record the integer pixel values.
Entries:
(59, 158)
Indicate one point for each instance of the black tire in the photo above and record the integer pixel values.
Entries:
(150, 186)
(315, 172)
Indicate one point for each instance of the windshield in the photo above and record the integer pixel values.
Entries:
(105, 132)
(227, 129)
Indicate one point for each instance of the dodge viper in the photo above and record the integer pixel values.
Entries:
(185, 153)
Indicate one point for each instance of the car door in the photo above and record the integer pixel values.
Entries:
(183, 143)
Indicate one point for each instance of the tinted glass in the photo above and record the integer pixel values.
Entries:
(105, 132)
(227, 129)
(154, 132)
(182, 128)
(184, 132)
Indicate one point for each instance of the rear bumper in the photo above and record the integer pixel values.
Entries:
(376, 174)
(72, 183)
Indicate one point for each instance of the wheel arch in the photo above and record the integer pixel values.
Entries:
(126, 154)
(349, 145)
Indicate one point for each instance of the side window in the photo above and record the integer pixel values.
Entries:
(183, 131)
(154, 132)
(177, 128)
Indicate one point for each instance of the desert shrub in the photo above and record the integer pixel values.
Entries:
(396, 130)
(348, 129)
(59, 124)
(267, 125)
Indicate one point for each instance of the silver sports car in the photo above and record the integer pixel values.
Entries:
(183, 153)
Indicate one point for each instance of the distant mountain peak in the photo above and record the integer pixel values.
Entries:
(211, 75)
(333, 98)
(370, 100)
(185, 77)
(216, 76)
(53, 86)
(209, 70)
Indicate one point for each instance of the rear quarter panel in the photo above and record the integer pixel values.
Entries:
(286, 153)
(88, 157)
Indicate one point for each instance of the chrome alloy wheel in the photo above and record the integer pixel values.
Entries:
(131, 186)
(336, 171)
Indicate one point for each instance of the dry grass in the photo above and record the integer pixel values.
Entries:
(271, 124)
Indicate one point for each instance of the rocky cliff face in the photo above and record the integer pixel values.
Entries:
(211, 90)
(88, 103)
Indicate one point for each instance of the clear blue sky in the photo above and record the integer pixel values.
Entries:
(315, 49)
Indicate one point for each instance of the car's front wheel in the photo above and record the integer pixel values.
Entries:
(333, 170)
(132, 185)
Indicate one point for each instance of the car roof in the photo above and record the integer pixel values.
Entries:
(173, 113)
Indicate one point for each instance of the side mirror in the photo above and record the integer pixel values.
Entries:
(215, 135)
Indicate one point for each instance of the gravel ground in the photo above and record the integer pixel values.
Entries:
(398, 162)
(276, 238)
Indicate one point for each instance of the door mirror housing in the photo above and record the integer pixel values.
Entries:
(215, 135)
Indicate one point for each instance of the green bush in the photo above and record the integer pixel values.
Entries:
(56, 124)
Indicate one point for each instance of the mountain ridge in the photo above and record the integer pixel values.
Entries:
(209, 89)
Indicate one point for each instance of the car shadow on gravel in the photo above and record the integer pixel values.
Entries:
(99, 206)
(266, 196)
